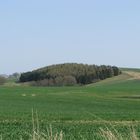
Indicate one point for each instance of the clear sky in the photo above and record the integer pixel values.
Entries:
(37, 33)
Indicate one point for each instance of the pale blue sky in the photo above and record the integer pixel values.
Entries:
(37, 33)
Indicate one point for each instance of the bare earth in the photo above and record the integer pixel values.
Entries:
(134, 75)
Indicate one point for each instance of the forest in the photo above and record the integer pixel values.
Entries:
(69, 74)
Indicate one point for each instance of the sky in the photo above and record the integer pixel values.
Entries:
(38, 33)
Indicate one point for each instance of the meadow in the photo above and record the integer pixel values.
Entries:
(79, 112)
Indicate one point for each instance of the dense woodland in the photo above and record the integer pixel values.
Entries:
(69, 74)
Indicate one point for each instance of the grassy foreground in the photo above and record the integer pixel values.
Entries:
(90, 112)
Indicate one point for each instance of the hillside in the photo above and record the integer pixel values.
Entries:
(70, 74)
(130, 69)
(127, 75)
(79, 111)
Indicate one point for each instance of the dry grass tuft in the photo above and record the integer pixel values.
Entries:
(115, 135)
(39, 135)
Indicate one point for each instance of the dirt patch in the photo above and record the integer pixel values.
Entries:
(134, 75)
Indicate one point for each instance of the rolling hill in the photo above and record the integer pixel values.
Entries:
(79, 111)
(69, 74)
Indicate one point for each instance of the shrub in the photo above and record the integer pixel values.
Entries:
(2, 80)
(69, 81)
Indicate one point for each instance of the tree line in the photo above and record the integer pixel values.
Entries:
(69, 74)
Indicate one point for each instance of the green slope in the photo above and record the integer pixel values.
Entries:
(118, 79)
(77, 111)
(131, 69)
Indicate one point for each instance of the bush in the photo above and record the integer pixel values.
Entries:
(69, 81)
(58, 81)
(2, 80)
(45, 82)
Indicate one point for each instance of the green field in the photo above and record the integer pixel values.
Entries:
(79, 112)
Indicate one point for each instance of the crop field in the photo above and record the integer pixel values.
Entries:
(80, 112)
